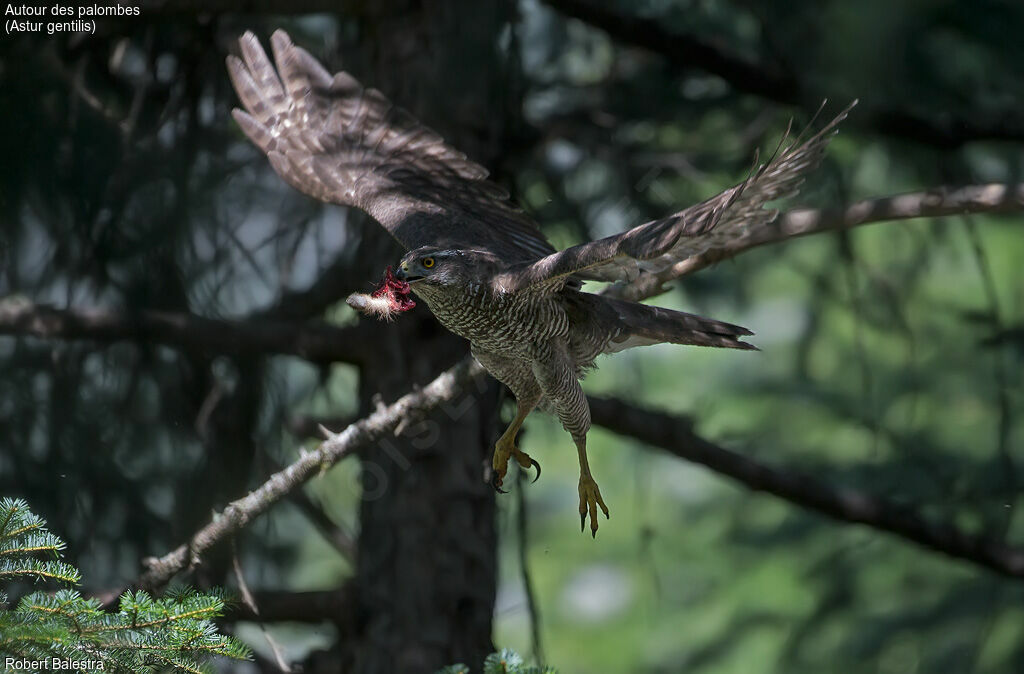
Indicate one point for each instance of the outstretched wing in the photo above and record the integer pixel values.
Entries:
(723, 219)
(336, 141)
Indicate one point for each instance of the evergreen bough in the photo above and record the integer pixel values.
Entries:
(505, 661)
(146, 634)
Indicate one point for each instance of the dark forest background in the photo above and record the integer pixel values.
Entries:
(174, 330)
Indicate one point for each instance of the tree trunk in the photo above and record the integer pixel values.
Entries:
(427, 564)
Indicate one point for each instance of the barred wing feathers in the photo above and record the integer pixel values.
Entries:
(339, 142)
(722, 220)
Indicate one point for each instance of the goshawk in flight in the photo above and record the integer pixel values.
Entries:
(482, 265)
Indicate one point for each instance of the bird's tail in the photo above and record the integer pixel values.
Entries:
(643, 325)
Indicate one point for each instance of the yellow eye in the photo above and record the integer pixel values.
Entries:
(428, 262)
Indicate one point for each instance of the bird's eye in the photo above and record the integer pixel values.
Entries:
(428, 262)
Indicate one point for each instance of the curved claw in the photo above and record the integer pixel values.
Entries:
(496, 484)
(535, 464)
(590, 501)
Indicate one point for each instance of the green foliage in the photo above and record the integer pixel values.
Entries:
(886, 365)
(146, 634)
(506, 661)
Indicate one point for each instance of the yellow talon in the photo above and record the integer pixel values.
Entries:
(504, 449)
(590, 499)
(526, 462)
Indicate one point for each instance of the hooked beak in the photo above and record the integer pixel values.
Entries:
(402, 274)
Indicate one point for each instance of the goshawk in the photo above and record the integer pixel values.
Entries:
(482, 265)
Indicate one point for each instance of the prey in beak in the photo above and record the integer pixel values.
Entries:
(391, 297)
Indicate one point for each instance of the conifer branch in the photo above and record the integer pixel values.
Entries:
(933, 203)
(675, 435)
(314, 341)
(176, 631)
(765, 77)
(338, 446)
(15, 319)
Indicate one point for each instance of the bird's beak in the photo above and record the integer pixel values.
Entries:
(402, 274)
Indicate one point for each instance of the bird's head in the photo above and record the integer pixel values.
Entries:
(441, 267)
(424, 269)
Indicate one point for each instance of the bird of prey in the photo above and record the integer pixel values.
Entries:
(482, 265)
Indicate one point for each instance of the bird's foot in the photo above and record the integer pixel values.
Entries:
(590, 499)
(526, 461)
(503, 451)
(499, 463)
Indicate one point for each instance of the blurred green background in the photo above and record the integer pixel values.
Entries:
(891, 354)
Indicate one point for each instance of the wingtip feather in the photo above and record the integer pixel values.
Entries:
(253, 129)
(250, 45)
(280, 43)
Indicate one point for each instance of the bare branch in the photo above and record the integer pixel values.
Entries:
(941, 201)
(767, 79)
(306, 426)
(250, 603)
(357, 436)
(676, 436)
(657, 429)
(686, 51)
(313, 341)
(320, 342)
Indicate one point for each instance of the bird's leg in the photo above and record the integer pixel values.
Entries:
(590, 495)
(558, 376)
(506, 447)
